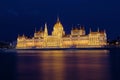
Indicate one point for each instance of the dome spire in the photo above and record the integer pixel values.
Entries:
(58, 20)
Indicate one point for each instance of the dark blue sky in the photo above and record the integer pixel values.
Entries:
(22, 16)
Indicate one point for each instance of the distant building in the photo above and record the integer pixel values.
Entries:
(59, 39)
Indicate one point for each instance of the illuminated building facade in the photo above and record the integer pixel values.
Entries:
(59, 39)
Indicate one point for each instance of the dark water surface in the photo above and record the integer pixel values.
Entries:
(60, 65)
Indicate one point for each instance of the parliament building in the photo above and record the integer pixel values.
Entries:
(78, 38)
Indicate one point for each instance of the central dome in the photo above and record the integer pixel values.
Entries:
(58, 29)
(58, 25)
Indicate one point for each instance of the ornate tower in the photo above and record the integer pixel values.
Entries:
(39, 34)
(82, 31)
(58, 29)
(45, 35)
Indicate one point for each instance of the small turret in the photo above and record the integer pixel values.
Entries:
(105, 32)
(18, 35)
(35, 30)
(23, 35)
(72, 28)
(90, 30)
(41, 29)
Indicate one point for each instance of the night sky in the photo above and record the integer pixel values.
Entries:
(22, 16)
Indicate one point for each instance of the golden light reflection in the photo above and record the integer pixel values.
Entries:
(53, 65)
(65, 65)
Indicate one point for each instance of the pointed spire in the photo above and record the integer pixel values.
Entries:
(98, 30)
(83, 28)
(18, 35)
(80, 27)
(40, 28)
(35, 30)
(45, 27)
(45, 24)
(72, 28)
(104, 31)
(45, 30)
(23, 36)
(58, 20)
(90, 30)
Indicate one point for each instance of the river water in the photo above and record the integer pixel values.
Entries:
(60, 65)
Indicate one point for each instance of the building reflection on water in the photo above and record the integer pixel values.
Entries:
(63, 65)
